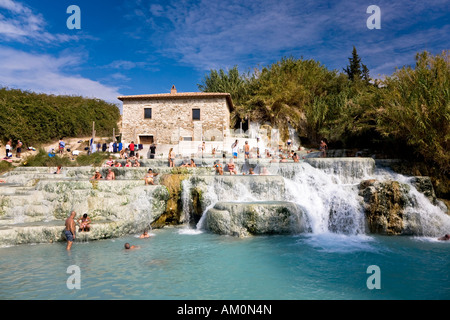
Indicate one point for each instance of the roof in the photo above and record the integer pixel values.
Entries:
(181, 95)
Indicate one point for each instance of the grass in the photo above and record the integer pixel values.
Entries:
(42, 159)
(5, 166)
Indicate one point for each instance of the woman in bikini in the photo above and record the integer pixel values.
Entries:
(149, 177)
(84, 223)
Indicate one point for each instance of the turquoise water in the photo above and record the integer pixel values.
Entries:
(176, 263)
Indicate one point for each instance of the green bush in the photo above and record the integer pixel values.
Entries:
(5, 166)
(40, 118)
(95, 159)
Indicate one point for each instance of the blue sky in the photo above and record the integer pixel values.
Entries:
(144, 47)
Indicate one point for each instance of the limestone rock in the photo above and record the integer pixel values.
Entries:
(384, 204)
(255, 218)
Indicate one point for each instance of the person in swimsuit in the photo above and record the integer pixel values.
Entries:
(149, 177)
(84, 223)
(110, 162)
(97, 175)
(128, 246)
(110, 175)
(445, 237)
(171, 158)
(218, 167)
(144, 235)
(246, 150)
(70, 230)
(231, 167)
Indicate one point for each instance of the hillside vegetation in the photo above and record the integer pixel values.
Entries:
(40, 118)
(405, 115)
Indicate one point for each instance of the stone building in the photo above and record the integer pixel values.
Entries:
(176, 116)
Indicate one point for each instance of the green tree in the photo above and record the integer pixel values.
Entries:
(414, 106)
(356, 70)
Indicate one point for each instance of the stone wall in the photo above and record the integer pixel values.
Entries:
(172, 117)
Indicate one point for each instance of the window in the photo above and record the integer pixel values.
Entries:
(147, 113)
(195, 114)
(146, 139)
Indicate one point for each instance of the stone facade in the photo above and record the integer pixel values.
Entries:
(172, 118)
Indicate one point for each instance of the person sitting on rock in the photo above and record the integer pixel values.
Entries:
(218, 167)
(149, 177)
(111, 175)
(97, 175)
(85, 223)
(231, 167)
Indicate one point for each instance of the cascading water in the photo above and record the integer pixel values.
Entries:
(328, 196)
(328, 206)
(186, 199)
(220, 191)
(422, 217)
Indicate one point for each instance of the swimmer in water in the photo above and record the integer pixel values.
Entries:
(130, 247)
(144, 234)
(445, 238)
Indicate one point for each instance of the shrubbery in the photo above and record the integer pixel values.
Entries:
(40, 118)
(405, 115)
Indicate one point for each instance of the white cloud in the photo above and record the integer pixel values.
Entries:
(14, 7)
(22, 25)
(49, 74)
(41, 72)
(212, 34)
(209, 34)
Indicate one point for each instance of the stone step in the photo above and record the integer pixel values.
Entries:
(53, 231)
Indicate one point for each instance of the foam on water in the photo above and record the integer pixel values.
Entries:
(341, 243)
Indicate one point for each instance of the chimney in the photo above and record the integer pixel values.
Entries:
(173, 90)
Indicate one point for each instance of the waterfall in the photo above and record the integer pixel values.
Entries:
(326, 191)
(220, 191)
(186, 201)
(329, 206)
(422, 216)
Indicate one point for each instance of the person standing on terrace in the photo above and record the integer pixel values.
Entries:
(246, 150)
(171, 158)
(234, 149)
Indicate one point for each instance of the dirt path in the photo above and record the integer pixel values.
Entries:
(77, 143)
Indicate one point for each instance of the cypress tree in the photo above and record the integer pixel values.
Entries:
(353, 70)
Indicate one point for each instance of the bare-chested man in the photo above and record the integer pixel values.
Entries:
(246, 150)
(70, 230)
(110, 175)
